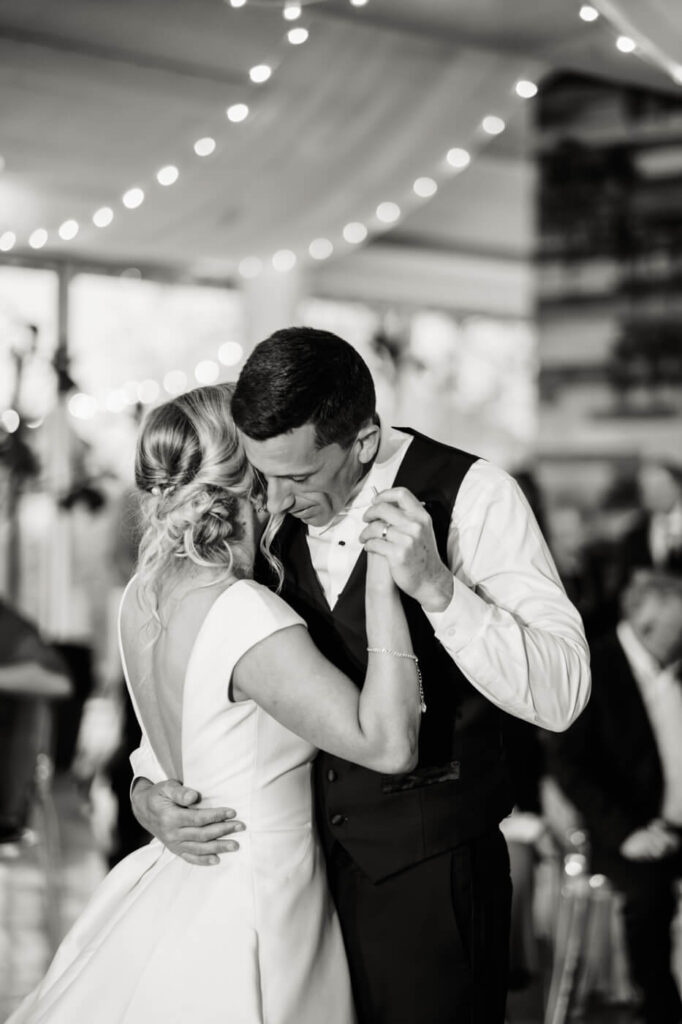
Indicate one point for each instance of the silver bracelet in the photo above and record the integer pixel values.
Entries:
(412, 657)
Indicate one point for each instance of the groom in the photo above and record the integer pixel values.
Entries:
(416, 863)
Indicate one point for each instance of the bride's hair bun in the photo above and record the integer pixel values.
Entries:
(192, 470)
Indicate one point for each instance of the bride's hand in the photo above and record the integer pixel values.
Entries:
(379, 577)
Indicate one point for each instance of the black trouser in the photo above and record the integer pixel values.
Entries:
(650, 894)
(430, 944)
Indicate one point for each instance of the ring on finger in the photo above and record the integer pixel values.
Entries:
(384, 532)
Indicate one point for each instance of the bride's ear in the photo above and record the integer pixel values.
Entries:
(367, 442)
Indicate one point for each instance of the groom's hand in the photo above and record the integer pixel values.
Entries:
(196, 834)
(400, 528)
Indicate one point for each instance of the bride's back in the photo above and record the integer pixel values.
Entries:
(157, 658)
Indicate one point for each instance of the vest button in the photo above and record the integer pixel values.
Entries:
(331, 775)
(338, 819)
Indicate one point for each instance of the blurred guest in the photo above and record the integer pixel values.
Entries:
(621, 765)
(655, 539)
(30, 673)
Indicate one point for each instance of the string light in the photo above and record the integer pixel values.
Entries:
(37, 238)
(354, 232)
(525, 89)
(260, 73)
(168, 175)
(207, 371)
(492, 124)
(230, 353)
(296, 36)
(425, 188)
(625, 44)
(284, 260)
(82, 406)
(133, 198)
(388, 213)
(237, 112)
(205, 146)
(68, 230)
(103, 217)
(641, 45)
(359, 3)
(458, 158)
(320, 249)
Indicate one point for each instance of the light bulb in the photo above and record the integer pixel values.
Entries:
(355, 232)
(425, 187)
(296, 36)
(260, 73)
(526, 89)
(458, 158)
(388, 213)
(103, 217)
(133, 198)
(168, 175)
(205, 146)
(38, 238)
(237, 112)
(320, 248)
(68, 230)
(492, 124)
(284, 260)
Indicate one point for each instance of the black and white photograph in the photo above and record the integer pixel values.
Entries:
(340, 512)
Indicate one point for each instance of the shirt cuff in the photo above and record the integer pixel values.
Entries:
(463, 621)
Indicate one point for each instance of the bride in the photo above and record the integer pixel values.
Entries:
(234, 699)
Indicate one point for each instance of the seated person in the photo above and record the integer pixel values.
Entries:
(621, 766)
(30, 672)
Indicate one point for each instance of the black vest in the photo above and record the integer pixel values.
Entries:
(459, 788)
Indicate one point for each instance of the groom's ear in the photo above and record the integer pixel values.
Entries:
(368, 440)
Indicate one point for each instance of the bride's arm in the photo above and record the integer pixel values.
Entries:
(377, 726)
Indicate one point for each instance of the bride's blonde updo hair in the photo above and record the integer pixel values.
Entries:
(194, 477)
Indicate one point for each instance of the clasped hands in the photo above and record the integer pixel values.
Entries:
(400, 529)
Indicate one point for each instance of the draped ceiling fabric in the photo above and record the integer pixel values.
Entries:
(347, 121)
(656, 25)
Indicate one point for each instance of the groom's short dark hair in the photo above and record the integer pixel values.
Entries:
(301, 375)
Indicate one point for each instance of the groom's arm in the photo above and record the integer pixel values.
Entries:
(167, 809)
(498, 608)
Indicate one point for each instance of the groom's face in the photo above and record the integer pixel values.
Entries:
(310, 483)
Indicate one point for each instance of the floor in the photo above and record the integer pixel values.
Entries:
(26, 917)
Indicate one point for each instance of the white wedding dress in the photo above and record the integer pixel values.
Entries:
(253, 940)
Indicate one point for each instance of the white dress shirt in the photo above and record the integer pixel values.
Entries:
(661, 692)
(509, 627)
